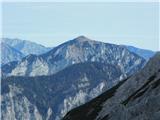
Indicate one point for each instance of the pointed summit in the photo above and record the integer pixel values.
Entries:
(82, 38)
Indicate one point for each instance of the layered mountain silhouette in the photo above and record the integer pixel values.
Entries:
(78, 50)
(47, 86)
(135, 98)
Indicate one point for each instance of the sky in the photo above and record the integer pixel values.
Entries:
(52, 23)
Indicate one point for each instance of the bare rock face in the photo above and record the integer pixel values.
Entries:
(78, 50)
(136, 98)
(15, 105)
(51, 97)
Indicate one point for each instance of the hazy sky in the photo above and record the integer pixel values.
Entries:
(53, 23)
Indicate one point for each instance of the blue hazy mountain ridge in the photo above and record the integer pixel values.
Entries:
(9, 54)
(146, 54)
(78, 50)
(26, 47)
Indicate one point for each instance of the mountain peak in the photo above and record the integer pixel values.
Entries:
(82, 38)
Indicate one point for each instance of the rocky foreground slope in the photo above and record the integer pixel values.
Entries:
(136, 98)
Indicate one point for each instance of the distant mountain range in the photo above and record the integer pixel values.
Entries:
(26, 47)
(78, 50)
(16, 49)
(9, 54)
(136, 98)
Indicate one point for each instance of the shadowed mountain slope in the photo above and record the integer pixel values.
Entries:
(53, 96)
(136, 98)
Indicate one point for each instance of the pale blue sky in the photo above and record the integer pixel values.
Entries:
(53, 23)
